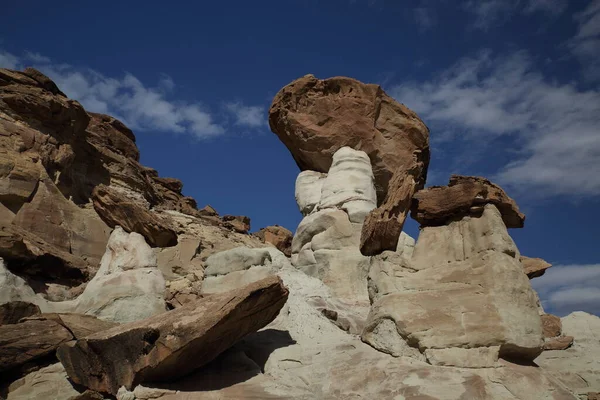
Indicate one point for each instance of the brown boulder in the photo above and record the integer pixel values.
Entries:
(173, 344)
(108, 132)
(30, 340)
(463, 196)
(278, 236)
(115, 208)
(558, 343)
(237, 223)
(534, 267)
(315, 118)
(551, 325)
(27, 254)
(12, 312)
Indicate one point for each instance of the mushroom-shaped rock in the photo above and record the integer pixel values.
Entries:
(315, 118)
(463, 196)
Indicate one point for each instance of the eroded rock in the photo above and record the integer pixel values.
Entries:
(172, 344)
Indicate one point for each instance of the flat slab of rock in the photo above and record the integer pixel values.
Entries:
(558, 343)
(172, 344)
(278, 236)
(551, 325)
(30, 340)
(534, 267)
(463, 196)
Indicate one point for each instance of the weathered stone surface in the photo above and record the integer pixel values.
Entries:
(172, 344)
(478, 357)
(315, 118)
(237, 259)
(12, 312)
(349, 185)
(382, 227)
(79, 325)
(534, 267)
(14, 288)
(558, 343)
(308, 190)
(111, 133)
(326, 246)
(577, 367)
(47, 383)
(63, 225)
(463, 239)
(127, 287)
(27, 254)
(464, 195)
(468, 292)
(278, 236)
(237, 223)
(181, 259)
(116, 209)
(30, 340)
(551, 325)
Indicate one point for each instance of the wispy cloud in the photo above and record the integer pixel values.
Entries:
(8, 60)
(564, 288)
(586, 43)
(142, 107)
(250, 116)
(489, 13)
(557, 126)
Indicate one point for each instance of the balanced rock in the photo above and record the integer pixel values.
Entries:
(551, 325)
(464, 195)
(278, 236)
(534, 267)
(172, 344)
(458, 293)
(315, 118)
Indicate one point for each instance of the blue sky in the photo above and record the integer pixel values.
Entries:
(509, 88)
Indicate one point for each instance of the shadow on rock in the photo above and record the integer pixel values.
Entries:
(238, 364)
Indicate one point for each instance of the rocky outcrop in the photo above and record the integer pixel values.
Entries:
(577, 367)
(173, 344)
(326, 243)
(127, 287)
(116, 208)
(315, 118)
(278, 236)
(464, 195)
(534, 267)
(462, 300)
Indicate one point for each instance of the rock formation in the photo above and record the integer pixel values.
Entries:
(95, 248)
(315, 118)
(173, 344)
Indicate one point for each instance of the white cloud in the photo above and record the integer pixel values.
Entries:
(489, 13)
(36, 57)
(251, 116)
(556, 126)
(139, 106)
(8, 60)
(568, 288)
(586, 43)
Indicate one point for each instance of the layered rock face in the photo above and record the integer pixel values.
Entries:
(315, 118)
(326, 243)
(67, 177)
